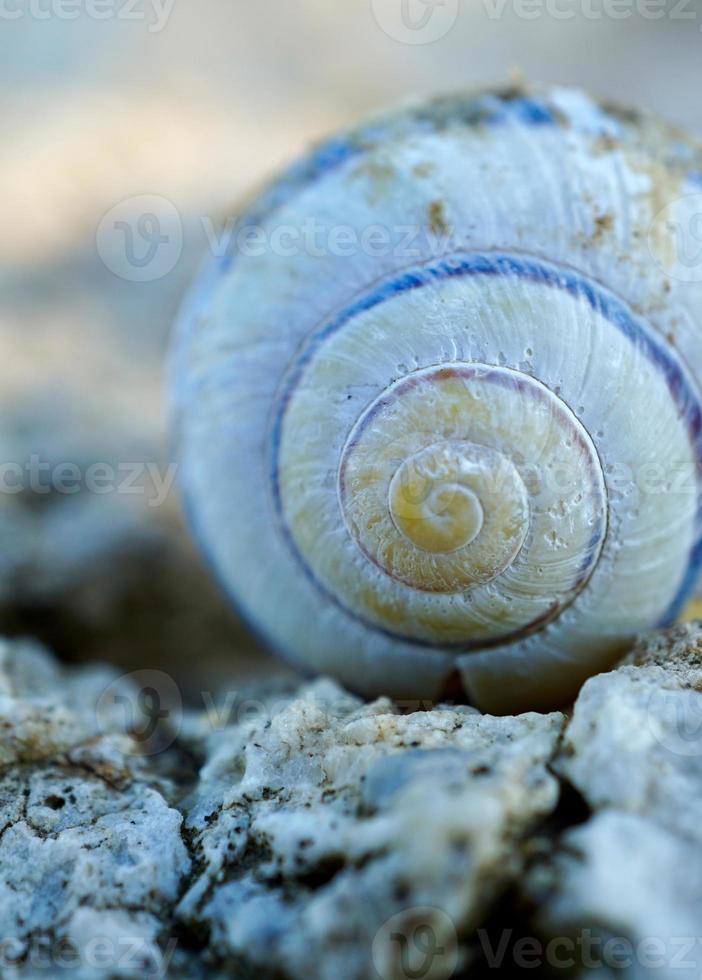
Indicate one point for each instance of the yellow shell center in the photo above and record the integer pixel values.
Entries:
(433, 509)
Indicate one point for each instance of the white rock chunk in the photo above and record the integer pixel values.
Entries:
(308, 834)
(91, 853)
(633, 872)
(333, 816)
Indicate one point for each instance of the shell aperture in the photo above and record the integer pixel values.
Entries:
(483, 461)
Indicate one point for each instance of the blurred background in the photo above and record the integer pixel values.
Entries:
(116, 109)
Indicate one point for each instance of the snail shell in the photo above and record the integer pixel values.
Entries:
(458, 442)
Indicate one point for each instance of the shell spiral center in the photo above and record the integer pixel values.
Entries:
(449, 497)
(432, 505)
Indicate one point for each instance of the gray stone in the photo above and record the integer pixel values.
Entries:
(314, 819)
(633, 872)
(635, 740)
(303, 833)
(630, 892)
(90, 849)
(332, 816)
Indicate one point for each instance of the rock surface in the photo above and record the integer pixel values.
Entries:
(302, 833)
(633, 872)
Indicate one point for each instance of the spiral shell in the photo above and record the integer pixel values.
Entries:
(462, 448)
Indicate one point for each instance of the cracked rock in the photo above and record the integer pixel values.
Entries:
(90, 849)
(318, 823)
(303, 833)
(310, 823)
(633, 872)
(45, 710)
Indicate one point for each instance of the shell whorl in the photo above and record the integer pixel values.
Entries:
(481, 459)
(452, 479)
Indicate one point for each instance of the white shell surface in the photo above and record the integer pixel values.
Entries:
(402, 266)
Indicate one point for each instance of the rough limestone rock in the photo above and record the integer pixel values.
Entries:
(302, 833)
(91, 853)
(633, 872)
(319, 822)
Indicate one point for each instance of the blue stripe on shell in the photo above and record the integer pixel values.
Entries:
(682, 389)
(486, 109)
(482, 109)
